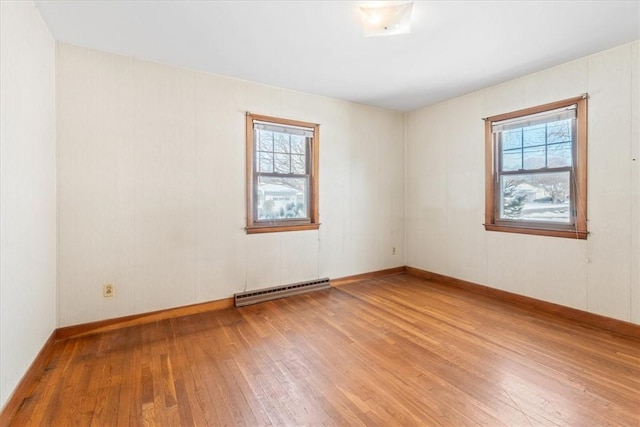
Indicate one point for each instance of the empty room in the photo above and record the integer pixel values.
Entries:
(272, 213)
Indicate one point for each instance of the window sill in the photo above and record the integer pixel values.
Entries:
(256, 229)
(569, 234)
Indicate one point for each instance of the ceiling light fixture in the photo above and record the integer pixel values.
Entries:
(386, 20)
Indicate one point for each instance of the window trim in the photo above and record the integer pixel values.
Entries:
(579, 229)
(311, 223)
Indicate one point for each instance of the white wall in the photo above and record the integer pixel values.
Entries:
(444, 157)
(151, 188)
(27, 190)
(635, 183)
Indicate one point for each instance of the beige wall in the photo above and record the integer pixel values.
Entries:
(444, 160)
(151, 189)
(27, 190)
(635, 183)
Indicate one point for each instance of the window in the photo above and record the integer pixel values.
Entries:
(282, 174)
(536, 170)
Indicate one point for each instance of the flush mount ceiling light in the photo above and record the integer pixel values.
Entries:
(386, 20)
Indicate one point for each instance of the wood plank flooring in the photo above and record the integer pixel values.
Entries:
(393, 351)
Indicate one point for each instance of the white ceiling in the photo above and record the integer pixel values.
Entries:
(455, 47)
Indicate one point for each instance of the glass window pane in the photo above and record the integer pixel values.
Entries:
(511, 139)
(282, 163)
(512, 161)
(298, 145)
(543, 197)
(534, 157)
(559, 155)
(265, 140)
(265, 161)
(282, 198)
(533, 135)
(281, 143)
(298, 164)
(559, 131)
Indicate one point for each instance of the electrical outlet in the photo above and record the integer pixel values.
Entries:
(393, 250)
(108, 290)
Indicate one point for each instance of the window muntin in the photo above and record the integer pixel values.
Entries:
(282, 185)
(544, 145)
(536, 170)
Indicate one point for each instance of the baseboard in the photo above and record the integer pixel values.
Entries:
(37, 366)
(583, 317)
(27, 382)
(366, 276)
(140, 319)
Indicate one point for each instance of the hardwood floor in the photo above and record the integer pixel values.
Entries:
(393, 351)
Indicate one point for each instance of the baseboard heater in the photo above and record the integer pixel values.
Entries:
(268, 294)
